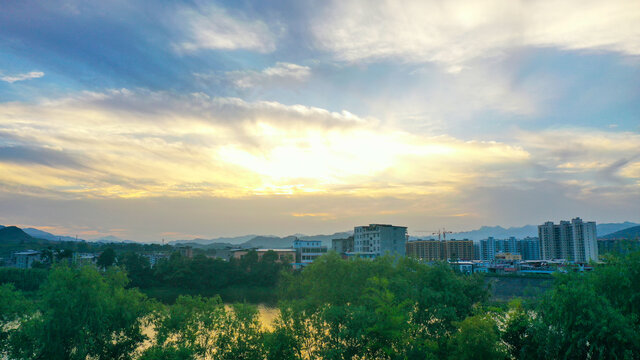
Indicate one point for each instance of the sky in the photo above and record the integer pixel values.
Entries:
(179, 119)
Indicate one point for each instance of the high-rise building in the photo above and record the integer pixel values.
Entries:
(378, 239)
(459, 249)
(528, 248)
(432, 250)
(426, 250)
(575, 240)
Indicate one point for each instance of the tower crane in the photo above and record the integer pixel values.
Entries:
(442, 233)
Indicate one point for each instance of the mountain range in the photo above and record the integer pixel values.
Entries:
(259, 241)
(628, 233)
(499, 232)
(270, 241)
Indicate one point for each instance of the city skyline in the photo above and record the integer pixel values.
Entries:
(208, 119)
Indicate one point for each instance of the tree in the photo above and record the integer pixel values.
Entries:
(585, 322)
(203, 328)
(138, 269)
(477, 338)
(385, 309)
(82, 313)
(107, 258)
(13, 307)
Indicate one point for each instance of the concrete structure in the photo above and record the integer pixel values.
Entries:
(185, 251)
(529, 248)
(85, 258)
(284, 255)
(434, 250)
(574, 241)
(379, 239)
(459, 249)
(24, 259)
(426, 250)
(307, 251)
(155, 257)
(342, 246)
(464, 267)
(508, 257)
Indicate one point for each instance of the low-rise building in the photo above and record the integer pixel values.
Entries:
(25, 259)
(376, 240)
(85, 258)
(155, 257)
(508, 257)
(307, 251)
(186, 251)
(342, 246)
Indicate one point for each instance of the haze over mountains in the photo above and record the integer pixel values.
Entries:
(257, 241)
(628, 233)
(499, 232)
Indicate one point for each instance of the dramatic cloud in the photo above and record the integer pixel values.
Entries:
(454, 32)
(34, 155)
(282, 74)
(312, 116)
(22, 77)
(212, 27)
(142, 143)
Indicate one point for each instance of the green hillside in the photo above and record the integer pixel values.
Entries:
(13, 234)
(631, 233)
(13, 239)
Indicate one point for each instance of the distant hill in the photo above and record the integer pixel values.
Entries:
(484, 232)
(273, 242)
(48, 236)
(609, 228)
(287, 241)
(14, 235)
(13, 239)
(499, 232)
(114, 239)
(229, 240)
(258, 241)
(628, 233)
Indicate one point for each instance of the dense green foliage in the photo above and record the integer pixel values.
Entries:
(383, 309)
(389, 308)
(8, 246)
(23, 279)
(81, 313)
(249, 278)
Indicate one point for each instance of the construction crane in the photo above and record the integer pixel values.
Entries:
(442, 234)
(429, 232)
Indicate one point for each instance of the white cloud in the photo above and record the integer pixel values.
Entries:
(282, 74)
(212, 27)
(21, 77)
(453, 32)
(142, 143)
(155, 145)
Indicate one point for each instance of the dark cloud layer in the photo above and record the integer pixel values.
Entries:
(39, 156)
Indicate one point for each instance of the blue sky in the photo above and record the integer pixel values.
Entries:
(329, 114)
